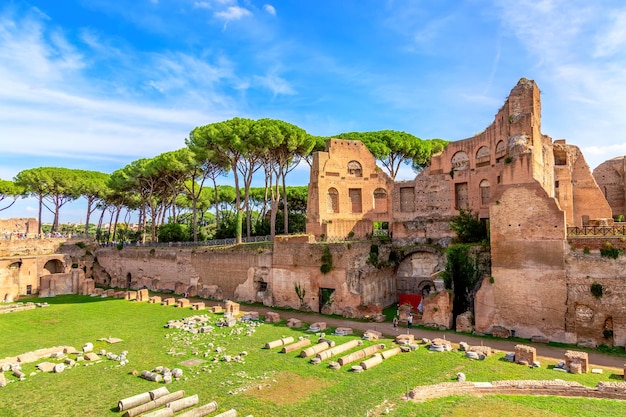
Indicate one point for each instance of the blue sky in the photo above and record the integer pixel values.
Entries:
(96, 84)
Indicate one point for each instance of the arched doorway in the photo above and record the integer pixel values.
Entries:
(129, 280)
(414, 278)
(53, 266)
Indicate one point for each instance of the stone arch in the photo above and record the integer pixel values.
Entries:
(500, 151)
(483, 157)
(332, 200)
(380, 200)
(425, 287)
(355, 169)
(460, 161)
(484, 193)
(53, 266)
(416, 270)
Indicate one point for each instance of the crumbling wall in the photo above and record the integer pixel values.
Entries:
(610, 177)
(528, 293)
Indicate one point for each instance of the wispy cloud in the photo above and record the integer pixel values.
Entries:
(275, 83)
(565, 37)
(270, 9)
(232, 13)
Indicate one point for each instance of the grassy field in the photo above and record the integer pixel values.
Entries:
(268, 383)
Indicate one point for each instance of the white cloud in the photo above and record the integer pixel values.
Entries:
(270, 9)
(275, 83)
(566, 37)
(50, 104)
(613, 39)
(233, 13)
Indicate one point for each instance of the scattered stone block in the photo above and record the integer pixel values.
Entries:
(357, 368)
(484, 350)
(119, 294)
(91, 356)
(405, 339)
(343, 331)
(3, 380)
(58, 368)
(574, 358)
(109, 293)
(472, 355)
(251, 315)
(440, 345)
(231, 307)
(45, 366)
(169, 301)
(460, 376)
(143, 295)
(464, 347)
(525, 355)
(198, 306)
(509, 357)
(317, 327)
(217, 309)
(272, 317)
(155, 299)
(130, 295)
(293, 322)
(372, 335)
(88, 347)
(182, 303)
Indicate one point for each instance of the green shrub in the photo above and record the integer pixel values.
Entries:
(468, 228)
(81, 245)
(327, 260)
(608, 251)
(596, 289)
(586, 250)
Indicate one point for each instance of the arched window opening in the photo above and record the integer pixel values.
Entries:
(483, 157)
(354, 169)
(484, 192)
(332, 201)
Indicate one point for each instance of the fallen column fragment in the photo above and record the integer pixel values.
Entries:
(201, 411)
(133, 412)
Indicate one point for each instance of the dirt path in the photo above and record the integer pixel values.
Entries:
(557, 353)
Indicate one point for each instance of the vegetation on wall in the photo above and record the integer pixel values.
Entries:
(300, 292)
(608, 251)
(327, 260)
(597, 289)
(468, 228)
(461, 275)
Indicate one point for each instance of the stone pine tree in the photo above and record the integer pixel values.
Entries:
(9, 191)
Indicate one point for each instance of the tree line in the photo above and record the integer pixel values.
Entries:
(180, 187)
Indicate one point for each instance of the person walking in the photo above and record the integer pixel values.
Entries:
(395, 323)
(409, 321)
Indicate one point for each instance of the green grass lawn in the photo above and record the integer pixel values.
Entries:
(267, 384)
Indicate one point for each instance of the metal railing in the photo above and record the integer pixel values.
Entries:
(596, 230)
(214, 242)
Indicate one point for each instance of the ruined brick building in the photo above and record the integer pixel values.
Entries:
(528, 187)
(537, 195)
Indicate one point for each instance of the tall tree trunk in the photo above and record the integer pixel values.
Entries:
(40, 208)
(285, 208)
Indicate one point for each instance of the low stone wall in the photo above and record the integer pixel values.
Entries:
(611, 390)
